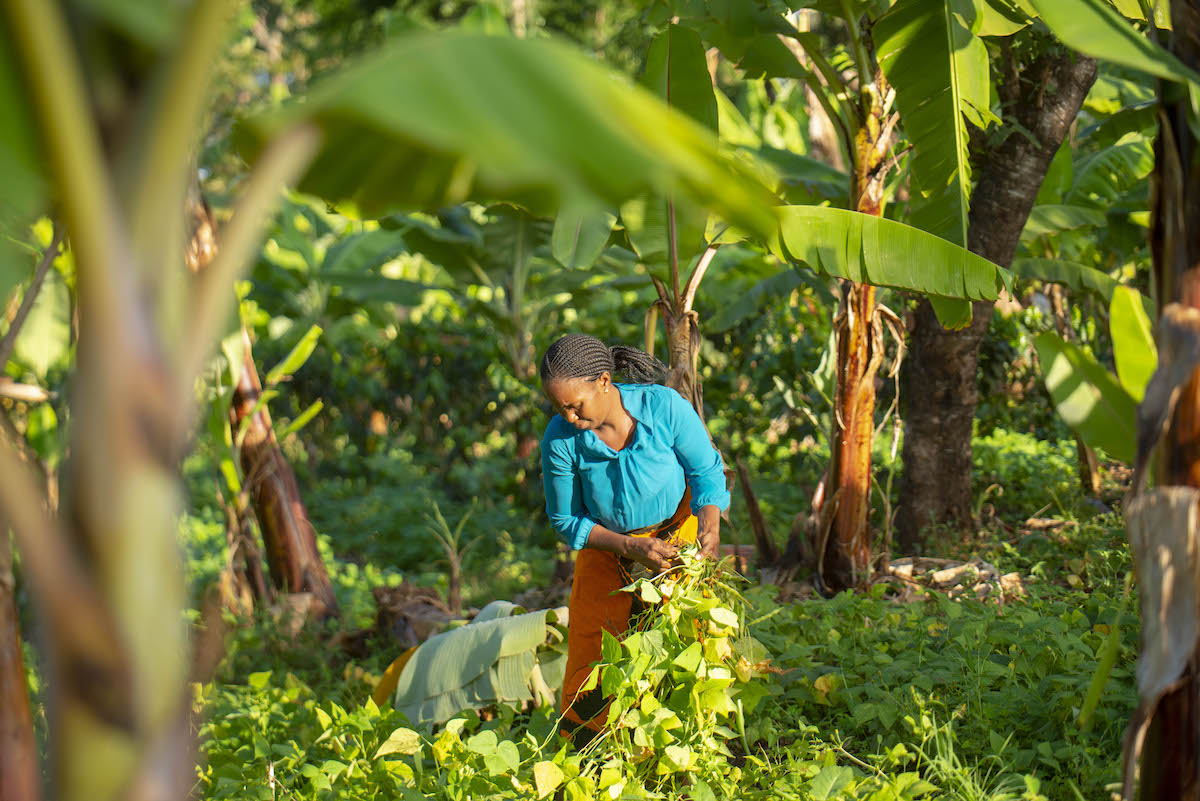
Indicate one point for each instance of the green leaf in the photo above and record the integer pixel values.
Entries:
(723, 616)
(734, 128)
(884, 252)
(611, 680)
(580, 236)
(301, 419)
(829, 781)
(25, 189)
(689, 659)
(1059, 176)
(371, 288)
(732, 312)
(1132, 332)
(1054, 219)
(483, 743)
(546, 778)
(439, 117)
(610, 648)
(1071, 274)
(363, 251)
(650, 593)
(401, 741)
(1088, 397)
(1093, 28)
(505, 759)
(149, 22)
(41, 429)
(1103, 177)
(676, 71)
(44, 341)
(940, 72)
(296, 357)
(1002, 17)
(805, 181)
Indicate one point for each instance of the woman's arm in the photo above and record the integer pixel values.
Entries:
(703, 470)
(709, 533)
(652, 552)
(564, 494)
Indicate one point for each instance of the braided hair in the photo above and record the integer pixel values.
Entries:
(583, 356)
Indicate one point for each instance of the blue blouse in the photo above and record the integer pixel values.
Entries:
(587, 482)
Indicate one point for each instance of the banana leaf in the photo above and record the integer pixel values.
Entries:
(940, 72)
(1088, 397)
(1095, 29)
(676, 71)
(1134, 350)
(883, 252)
(440, 117)
(492, 660)
(1102, 177)
(25, 188)
(1068, 273)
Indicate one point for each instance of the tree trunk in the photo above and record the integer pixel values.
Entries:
(292, 556)
(844, 550)
(1169, 716)
(291, 542)
(939, 388)
(19, 779)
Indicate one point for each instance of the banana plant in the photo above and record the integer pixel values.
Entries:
(1159, 755)
(916, 66)
(434, 118)
(1097, 405)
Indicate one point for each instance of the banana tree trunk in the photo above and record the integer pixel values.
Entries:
(844, 549)
(939, 388)
(19, 776)
(682, 328)
(292, 556)
(291, 542)
(1163, 745)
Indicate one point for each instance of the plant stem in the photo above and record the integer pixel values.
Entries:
(866, 75)
(161, 174)
(39, 275)
(281, 163)
(72, 146)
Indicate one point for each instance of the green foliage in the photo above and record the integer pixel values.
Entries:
(516, 103)
(1134, 350)
(852, 245)
(1089, 397)
(1012, 394)
(1009, 679)
(939, 69)
(1032, 473)
(719, 694)
(1094, 28)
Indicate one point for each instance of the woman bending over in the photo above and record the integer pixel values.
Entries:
(630, 476)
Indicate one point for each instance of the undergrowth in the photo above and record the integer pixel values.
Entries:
(724, 693)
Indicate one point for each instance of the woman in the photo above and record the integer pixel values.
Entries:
(630, 475)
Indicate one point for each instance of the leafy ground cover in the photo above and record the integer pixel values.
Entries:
(725, 693)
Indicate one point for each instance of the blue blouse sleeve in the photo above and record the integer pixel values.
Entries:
(564, 492)
(701, 462)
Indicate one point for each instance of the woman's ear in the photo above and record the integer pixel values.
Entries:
(604, 381)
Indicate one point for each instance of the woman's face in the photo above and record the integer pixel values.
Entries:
(582, 402)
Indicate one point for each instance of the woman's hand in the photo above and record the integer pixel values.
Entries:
(708, 535)
(652, 552)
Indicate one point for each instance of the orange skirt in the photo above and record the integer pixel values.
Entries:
(597, 605)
